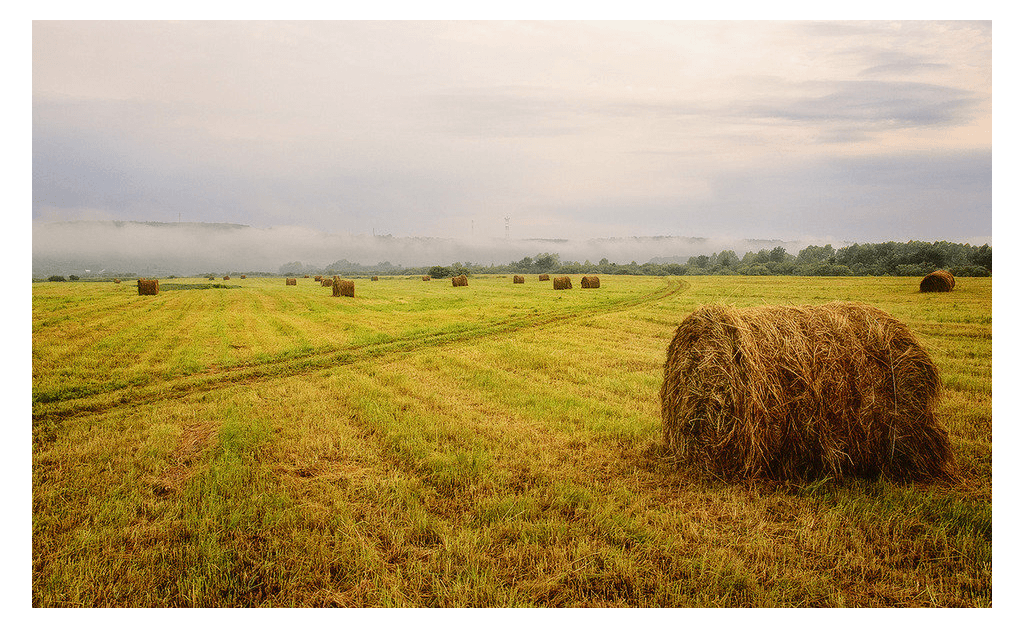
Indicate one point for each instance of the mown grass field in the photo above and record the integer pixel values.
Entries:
(489, 445)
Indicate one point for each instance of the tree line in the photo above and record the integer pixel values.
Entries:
(912, 258)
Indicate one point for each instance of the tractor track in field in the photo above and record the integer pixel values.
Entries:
(216, 378)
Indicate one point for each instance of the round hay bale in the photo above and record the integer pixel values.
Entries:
(460, 281)
(242, 276)
(149, 287)
(306, 276)
(841, 389)
(544, 277)
(344, 288)
(117, 281)
(226, 277)
(590, 282)
(938, 281)
(326, 282)
(290, 282)
(518, 279)
(373, 278)
(426, 277)
(318, 277)
(562, 283)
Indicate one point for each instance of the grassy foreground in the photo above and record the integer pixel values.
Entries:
(489, 445)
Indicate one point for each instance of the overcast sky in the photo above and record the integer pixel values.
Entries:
(852, 131)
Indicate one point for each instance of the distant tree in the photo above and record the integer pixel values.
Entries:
(439, 272)
(73, 277)
(56, 278)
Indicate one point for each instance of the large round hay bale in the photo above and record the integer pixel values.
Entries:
(590, 282)
(841, 389)
(149, 287)
(518, 279)
(344, 288)
(544, 277)
(460, 281)
(562, 283)
(325, 282)
(290, 282)
(938, 281)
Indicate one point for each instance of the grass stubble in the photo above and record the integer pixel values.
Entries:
(468, 461)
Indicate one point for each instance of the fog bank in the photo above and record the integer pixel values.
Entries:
(197, 248)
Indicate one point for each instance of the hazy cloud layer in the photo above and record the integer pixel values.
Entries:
(859, 131)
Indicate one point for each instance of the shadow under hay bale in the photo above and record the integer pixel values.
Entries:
(563, 283)
(149, 287)
(938, 281)
(518, 279)
(789, 393)
(460, 281)
(344, 288)
(544, 277)
(590, 282)
(290, 282)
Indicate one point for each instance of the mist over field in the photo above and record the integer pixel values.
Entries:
(196, 248)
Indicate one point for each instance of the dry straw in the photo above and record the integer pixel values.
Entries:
(563, 283)
(518, 279)
(938, 281)
(590, 281)
(149, 287)
(544, 277)
(290, 282)
(460, 281)
(344, 288)
(785, 393)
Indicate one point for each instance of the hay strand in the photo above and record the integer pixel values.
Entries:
(841, 389)
(938, 281)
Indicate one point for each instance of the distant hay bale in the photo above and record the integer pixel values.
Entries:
(149, 287)
(590, 281)
(325, 282)
(563, 283)
(318, 277)
(518, 279)
(306, 276)
(373, 278)
(544, 277)
(242, 276)
(226, 277)
(344, 288)
(426, 277)
(786, 392)
(117, 280)
(938, 281)
(290, 282)
(460, 281)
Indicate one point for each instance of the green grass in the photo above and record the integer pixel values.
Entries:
(496, 445)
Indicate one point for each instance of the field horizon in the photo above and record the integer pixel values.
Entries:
(494, 445)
